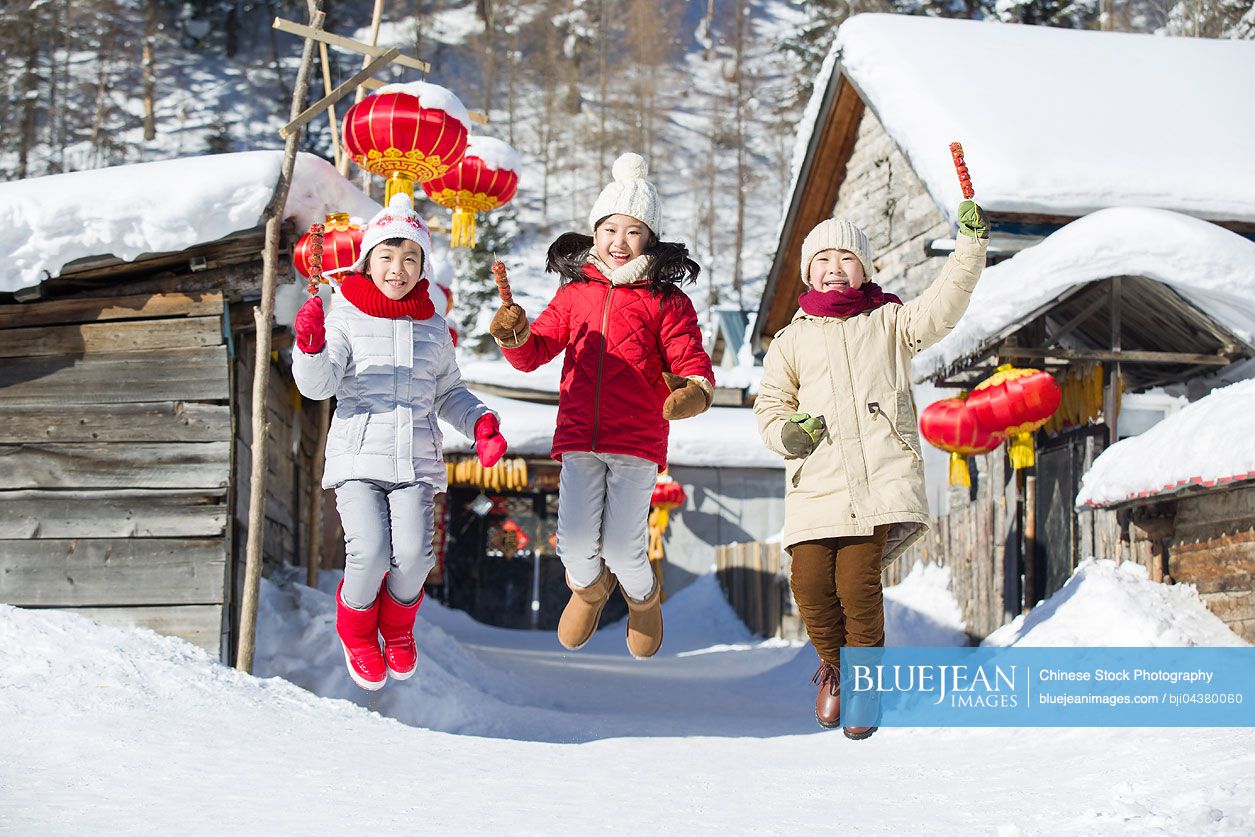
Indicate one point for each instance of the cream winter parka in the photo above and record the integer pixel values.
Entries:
(391, 378)
(855, 372)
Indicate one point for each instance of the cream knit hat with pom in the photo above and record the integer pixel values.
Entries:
(397, 220)
(836, 234)
(629, 194)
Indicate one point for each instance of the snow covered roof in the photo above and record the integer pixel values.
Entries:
(1061, 122)
(160, 207)
(1211, 267)
(720, 437)
(1206, 444)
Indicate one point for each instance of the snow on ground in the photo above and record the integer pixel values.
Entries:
(1207, 443)
(921, 610)
(105, 730)
(1210, 266)
(161, 207)
(1109, 604)
(1065, 149)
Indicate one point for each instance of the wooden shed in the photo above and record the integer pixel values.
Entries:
(126, 391)
(125, 394)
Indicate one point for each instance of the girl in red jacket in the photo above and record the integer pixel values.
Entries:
(634, 361)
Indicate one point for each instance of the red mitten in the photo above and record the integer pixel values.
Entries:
(489, 443)
(311, 334)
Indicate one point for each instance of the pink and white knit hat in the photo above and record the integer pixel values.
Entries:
(397, 220)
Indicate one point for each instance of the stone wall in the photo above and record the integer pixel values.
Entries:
(882, 195)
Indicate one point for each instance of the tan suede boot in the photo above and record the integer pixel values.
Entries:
(579, 618)
(644, 623)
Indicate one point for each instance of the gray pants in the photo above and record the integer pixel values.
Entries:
(604, 505)
(387, 529)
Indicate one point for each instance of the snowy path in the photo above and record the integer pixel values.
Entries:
(103, 730)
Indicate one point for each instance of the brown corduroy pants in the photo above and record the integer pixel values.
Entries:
(836, 582)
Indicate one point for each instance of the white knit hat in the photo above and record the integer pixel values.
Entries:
(397, 220)
(836, 234)
(629, 194)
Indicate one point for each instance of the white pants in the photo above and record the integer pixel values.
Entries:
(387, 529)
(603, 505)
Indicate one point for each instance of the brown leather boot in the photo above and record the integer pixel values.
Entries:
(828, 701)
(644, 623)
(579, 618)
(859, 733)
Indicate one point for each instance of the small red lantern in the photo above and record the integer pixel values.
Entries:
(948, 424)
(485, 179)
(407, 133)
(341, 244)
(1015, 402)
(668, 494)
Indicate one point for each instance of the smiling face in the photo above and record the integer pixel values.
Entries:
(620, 238)
(833, 270)
(396, 268)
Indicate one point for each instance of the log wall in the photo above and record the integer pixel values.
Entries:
(115, 460)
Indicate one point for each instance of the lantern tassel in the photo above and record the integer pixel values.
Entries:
(1021, 451)
(463, 228)
(959, 474)
(398, 182)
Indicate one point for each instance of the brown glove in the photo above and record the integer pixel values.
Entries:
(509, 326)
(686, 400)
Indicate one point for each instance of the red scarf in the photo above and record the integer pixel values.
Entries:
(367, 298)
(845, 302)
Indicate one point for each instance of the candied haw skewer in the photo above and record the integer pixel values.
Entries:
(960, 166)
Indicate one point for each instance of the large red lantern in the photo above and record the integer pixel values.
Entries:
(341, 243)
(948, 424)
(1015, 402)
(407, 133)
(485, 179)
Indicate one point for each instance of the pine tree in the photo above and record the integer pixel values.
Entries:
(474, 291)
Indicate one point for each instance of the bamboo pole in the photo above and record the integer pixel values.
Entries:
(264, 316)
(376, 17)
(331, 111)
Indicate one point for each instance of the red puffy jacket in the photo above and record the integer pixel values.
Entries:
(619, 339)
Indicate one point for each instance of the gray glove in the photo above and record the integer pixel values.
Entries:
(802, 432)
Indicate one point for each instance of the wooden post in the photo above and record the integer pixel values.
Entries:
(1111, 409)
(375, 18)
(760, 580)
(1030, 543)
(313, 547)
(264, 316)
(331, 111)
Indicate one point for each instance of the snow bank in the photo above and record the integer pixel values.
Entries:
(1207, 443)
(161, 207)
(1063, 122)
(921, 610)
(495, 153)
(1117, 605)
(1211, 267)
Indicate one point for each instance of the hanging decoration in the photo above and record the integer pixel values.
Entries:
(1082, 398)
(513, 538)
(949, 425)
(408, 133)
(340, 245)
(485, 179)
(668, 494)
(507, 475)
(1015, 402)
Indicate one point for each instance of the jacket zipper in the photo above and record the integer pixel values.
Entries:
(601, 362)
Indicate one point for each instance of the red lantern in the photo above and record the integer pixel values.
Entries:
(1016, 402)
(948, 424)
(341, 244)
(407, 133)
(485, 179)
(668, 494)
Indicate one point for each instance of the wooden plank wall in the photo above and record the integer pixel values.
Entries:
(755, 579)
(290, 450)
(1212, 546)
(115, 444)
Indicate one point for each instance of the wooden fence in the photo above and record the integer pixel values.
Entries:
(755, 580)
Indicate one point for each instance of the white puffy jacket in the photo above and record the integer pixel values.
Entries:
(391, 379)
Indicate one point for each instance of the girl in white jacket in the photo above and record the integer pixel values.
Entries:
(387, 357)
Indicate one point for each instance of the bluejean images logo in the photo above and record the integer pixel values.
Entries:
(1208, 687)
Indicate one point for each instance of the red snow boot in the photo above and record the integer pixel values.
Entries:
(359, 633)
(396, 626)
